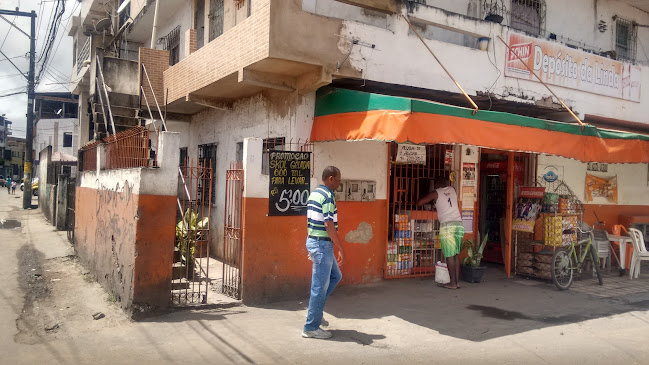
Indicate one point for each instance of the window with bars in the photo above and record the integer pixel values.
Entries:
(528, 16)
(270, 144)
(172, 44)
(216, 18)
(626, 38)
(67, 139)
(207, 156)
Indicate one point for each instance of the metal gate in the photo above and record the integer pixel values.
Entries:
(232, 240)
(190, 283)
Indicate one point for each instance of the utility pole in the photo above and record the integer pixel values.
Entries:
(29, 138)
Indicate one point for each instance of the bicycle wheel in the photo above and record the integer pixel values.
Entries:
(562, 269)
(595, 257)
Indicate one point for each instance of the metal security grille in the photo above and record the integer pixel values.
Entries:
(190, 282)
(528, 16)
(207, 157)
(171, 43)
(216, 18)
(626, 38)
(232, 240)
(270, 144)
(413, 243)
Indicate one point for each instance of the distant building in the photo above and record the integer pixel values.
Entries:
(5, 130)
(56, 123)
(14, 165)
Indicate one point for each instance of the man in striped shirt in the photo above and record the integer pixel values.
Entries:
(322, 228)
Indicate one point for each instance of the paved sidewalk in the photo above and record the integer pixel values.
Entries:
(392, 322)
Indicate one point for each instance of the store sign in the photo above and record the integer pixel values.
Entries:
(563, 66)
(290, 181)
(411, 154)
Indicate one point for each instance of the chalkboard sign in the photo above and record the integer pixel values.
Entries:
(290, 182)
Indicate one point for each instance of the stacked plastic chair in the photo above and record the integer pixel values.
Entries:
(640, 252)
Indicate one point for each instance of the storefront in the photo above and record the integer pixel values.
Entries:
(488, 157)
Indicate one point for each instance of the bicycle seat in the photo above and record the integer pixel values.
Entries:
(569, 231)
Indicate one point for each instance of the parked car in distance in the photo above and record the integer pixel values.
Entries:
(34, 186)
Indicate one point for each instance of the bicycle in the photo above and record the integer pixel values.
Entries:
(566, 260)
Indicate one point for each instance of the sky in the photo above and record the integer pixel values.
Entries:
(15, 45)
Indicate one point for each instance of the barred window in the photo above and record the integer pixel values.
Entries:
(207, 156)
(528, 16)
(216, 18)
(270, 144)
(171, 43)
(626, 38)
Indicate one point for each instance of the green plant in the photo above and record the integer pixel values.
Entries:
(474, 254)
(188, 231)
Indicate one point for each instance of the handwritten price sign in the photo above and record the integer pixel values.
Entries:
(290, 182)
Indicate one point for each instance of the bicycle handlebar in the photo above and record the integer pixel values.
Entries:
(571, 230)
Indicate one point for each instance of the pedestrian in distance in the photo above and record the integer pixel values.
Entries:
(8, 185)
(322, 228)
(13, 188)
(451, 231)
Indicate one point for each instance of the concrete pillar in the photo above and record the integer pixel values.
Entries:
(84, 120)
(61, 203)
(190, 41)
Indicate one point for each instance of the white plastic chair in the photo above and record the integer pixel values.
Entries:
(640, 252)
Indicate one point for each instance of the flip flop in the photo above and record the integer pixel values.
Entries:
(446, 287)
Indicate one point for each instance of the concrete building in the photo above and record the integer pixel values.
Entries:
(5, 155)
(56, 123)
(357, 83)
(15, 165)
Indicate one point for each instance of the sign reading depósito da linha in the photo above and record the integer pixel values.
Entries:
(563, 66)
(290, 182)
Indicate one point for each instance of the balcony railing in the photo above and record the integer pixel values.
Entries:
(84, 55)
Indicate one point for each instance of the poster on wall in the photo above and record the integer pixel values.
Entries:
(411, 154)
(527, 208)
(601, 187)
(563, 66)
(467, 221)
(468, 174)
(290, 183)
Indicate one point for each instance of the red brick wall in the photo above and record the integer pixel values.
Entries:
(156, 62)
(237, 47)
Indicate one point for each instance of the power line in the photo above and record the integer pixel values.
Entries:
(12, 94)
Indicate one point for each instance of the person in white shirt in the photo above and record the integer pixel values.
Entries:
(451, 231)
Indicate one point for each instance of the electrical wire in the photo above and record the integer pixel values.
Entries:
(51, 36)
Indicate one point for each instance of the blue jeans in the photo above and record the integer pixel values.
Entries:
(325, 276)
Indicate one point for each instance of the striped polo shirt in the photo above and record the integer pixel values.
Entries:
(321, 207)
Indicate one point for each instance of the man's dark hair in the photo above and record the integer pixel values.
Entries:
(329, 171)
(441, 182)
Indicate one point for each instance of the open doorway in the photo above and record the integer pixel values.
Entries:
(493, 197)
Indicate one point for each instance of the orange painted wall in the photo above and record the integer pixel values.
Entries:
(126, 240)
(610, 214)
(275, 263)
(154, 245)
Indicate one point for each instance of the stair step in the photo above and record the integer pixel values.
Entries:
(180, 284)
(179, 270)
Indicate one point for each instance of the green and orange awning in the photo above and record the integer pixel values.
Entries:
(347, 115)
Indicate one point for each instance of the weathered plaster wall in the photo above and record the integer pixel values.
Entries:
(274, 256)
(400, 58)
(282, 115)
(125, 226)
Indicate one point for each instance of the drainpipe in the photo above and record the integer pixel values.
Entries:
(155, 24)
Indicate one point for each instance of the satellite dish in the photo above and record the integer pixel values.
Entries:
(102, 24)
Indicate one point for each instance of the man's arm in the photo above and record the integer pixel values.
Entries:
(428, 198)
(333, 234)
